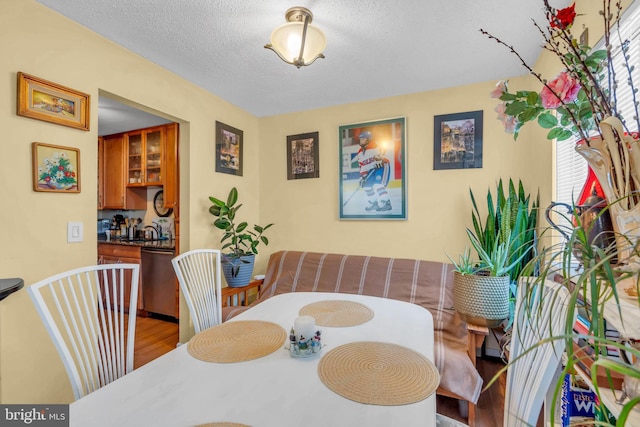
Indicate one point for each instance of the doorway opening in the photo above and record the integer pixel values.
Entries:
(119, 122)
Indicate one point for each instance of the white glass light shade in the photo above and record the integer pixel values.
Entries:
(286, 39)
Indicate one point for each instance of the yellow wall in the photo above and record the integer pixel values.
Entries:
(438, 200)
(38, 41)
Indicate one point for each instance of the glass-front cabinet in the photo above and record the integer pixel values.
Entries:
(145, 157)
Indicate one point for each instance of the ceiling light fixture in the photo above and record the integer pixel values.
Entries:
(298, 42)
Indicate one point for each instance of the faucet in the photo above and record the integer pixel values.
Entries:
(153, 229)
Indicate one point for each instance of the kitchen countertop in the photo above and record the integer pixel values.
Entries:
(168, 244)
(9, 286)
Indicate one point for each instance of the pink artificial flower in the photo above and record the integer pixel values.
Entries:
(509, 122)
(566, 88)
(501, 87)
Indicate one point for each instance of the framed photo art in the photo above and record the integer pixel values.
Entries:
(457, 141)
(373, 182)
(55, 168)
(228, 149)
(43, 100)
(302, 156)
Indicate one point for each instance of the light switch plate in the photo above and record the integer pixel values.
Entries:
(75, 232)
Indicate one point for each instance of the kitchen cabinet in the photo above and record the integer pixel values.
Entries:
(112, 191)
(171, 169)
(144, 156)
(112, 254)
(171, 176)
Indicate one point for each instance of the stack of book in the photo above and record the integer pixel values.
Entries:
(585, 352)
(577, 402)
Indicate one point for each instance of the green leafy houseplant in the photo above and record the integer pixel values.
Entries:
(593, 99)
(585, 92)
(238, 239)
(515, 214)
(504, 242)
(593, 291)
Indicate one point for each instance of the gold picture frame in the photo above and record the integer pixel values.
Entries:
(43, 100)
(55, 168)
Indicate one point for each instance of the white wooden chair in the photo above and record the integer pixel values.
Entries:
(199, 275)
(85, 313)
(541, 312)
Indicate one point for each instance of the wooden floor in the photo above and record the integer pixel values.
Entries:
(156, 337)
(491, 402)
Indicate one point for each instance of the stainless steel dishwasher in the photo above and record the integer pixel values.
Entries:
(158, 282)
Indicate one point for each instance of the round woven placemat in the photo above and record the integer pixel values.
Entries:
(222, 424)
(378, 373)
(237, 341)
(337, 313)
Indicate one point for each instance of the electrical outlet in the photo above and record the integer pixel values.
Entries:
(75, 232)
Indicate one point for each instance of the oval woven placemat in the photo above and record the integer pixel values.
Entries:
(378, 373)
(337, 313)
(237, 341)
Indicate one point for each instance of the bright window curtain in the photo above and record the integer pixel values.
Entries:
(571, 168)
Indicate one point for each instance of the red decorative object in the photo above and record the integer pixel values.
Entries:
(589, 185)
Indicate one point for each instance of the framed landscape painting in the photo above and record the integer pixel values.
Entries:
(51, 102)
(457, 141)
(373, 182)
(302, 156)
(228, 149)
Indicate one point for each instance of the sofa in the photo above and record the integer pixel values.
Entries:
(426, 283)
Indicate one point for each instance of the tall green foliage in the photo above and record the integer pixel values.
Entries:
(512, 220)
(594, 289)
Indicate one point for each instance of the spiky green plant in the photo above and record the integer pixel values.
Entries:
(508, 231)
(591, 288)
(514, 213)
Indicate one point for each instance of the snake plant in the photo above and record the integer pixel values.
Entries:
(510, 225)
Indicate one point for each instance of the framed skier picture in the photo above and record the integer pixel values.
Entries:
(372, 181)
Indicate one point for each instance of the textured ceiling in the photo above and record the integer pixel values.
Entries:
(375, 48)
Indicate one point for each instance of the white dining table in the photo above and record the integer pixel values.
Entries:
(275, 390)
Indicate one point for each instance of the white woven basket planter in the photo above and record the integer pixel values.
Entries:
(481, 300)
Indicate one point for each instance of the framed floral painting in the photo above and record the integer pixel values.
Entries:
(55, 168)
(43, 100)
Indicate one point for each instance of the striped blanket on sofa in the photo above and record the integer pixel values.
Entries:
(426, 283)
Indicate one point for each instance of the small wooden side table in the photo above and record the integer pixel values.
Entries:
(240, 296)
(477, 335)
(476, 338)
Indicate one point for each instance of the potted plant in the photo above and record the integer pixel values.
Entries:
(484, 289)
(585, 103)
(601, 294)
(241, 242)
(481, 288)
(582, 102)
